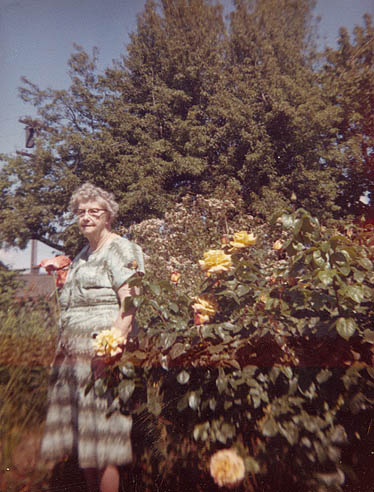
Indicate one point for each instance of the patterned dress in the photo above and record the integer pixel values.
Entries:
(76, 423)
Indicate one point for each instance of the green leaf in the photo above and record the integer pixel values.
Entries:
(137, 301)
(125, 389)
(138, 354)
(339, 258)
(215, 349)
(207, 331)
(243, 289)
(251, 465)
(174, 307)
(288, 221)
(290, 431)
(346, 327)
(183, 377)
(365, 263)
(155, 288)
(182, 403)
(167, 339)
(194, 399)
(270, 428)
(154, 304)
(228, 430)
(177, 350)
(326, 277)
(100, 387)
(368, 336)
(221, 383)
(323, 376)
(297, 227)
(230, 327)
(358, 276)
(200, 431)
(274, 373)
(318, 259)
(128, 369)
(356, 293)
(344, 270)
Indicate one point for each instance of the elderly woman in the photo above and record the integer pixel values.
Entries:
(91, 300)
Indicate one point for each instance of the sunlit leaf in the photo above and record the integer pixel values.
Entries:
(155, 288)
(174, 307)
(326, 277)
(183, 377)
(356, 293)
(125, 389)
(346, 327)
(194, 400)
(243, 289)
(177, 350)
(365, 263)
(251, 465)
(318, 259)
(369, 336)
(167, 339)
(270, 428)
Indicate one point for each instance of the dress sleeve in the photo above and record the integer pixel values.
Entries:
(123, 260)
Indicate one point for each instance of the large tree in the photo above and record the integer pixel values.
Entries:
(348, 80)
(193, 106)
(137, 129)
(274, 120)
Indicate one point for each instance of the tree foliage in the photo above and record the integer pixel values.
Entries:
(194, 106)
(9, 284)
(348, 79)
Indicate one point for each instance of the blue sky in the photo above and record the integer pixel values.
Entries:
(36, 40)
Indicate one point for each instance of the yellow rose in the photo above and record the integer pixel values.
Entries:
(278, 245)
(174, 277)
(216, 261)
(242, 240)
(108, 342)
(205, 308)
(263, 297)
(227, 468)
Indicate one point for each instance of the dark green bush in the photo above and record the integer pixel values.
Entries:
(283, 371)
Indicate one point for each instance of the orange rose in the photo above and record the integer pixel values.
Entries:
(205, 308)
(58, 264)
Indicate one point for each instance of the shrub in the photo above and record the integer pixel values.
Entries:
(27, 344)
(280, 369)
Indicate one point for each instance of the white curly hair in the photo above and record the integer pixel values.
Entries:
(88, 191)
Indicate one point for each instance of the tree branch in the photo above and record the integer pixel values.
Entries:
(49, 243)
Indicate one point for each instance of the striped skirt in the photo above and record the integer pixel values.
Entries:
(77, 424)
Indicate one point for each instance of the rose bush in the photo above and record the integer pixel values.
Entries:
(280, 373)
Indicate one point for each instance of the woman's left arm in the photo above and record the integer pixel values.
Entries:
(124, 320)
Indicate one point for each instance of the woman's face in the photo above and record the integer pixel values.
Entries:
(93, 218)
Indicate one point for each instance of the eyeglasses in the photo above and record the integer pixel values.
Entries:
(91, 212)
